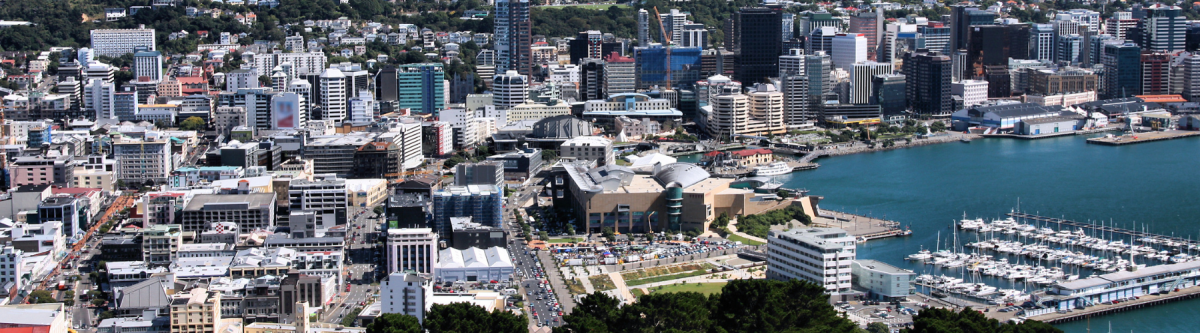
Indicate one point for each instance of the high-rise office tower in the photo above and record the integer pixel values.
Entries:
(620, 74)
(147, 64)
(421, 87)
(962, 18)
(1118, 26)
(849, 49)
(385, 84)
(887, 91)
(867, 24)
(509, 89)
(591, 79)
(792, 63)
(992, 45)
(673, 22)
(936, 35)
(820, 39)
(1164, 29)
(513, 37)
(788, 29)
(643, 28)
(862, 77)
(1191, 77)
(1156, 73)
(1122, 70)
(333, 95)
(758, 31)
(1041, 42)
(927, 82)
(818, 67)
(797, 109)
(1070, 47)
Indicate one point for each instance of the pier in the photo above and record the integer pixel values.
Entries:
(1101, 228)
(1143, 301)
(862, 227)
(1142, 137)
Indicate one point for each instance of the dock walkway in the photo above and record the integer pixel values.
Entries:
(1024, 217)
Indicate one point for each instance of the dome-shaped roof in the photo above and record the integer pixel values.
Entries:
(561, 127)
(685, 174)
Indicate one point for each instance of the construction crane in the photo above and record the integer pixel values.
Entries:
(666, 44)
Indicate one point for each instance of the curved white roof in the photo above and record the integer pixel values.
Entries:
(686, 174)
(474, 258)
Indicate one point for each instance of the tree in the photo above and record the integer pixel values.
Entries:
(192, 124)
(264, 81)
(937, 126)
(543, 235)
(378, 210)
(350, 317)
(395, 323)
(936, 320)
(608, 234)
(721, 221)
(106, 314)
(878, 327)
(41, 296)
(679, 312)
(592, 314)
(453, 160)
(465, 317)
(549, 155)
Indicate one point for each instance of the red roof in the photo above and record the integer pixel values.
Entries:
(751, 152)
(29, 329)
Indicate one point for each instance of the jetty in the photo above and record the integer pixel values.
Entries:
(1133, 138)
(862, 227)
(1103, 228)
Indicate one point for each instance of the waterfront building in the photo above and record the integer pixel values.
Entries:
(757, 31)
(927, 75)
(972, 92)
(819, 255)
(1004, 117)
(861, 80)
(882, 281)
(847, 50)
(1164, 29)
(1122, 70)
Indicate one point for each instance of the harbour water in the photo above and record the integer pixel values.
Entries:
(930, 187)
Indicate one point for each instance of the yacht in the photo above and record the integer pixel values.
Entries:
(773, 169)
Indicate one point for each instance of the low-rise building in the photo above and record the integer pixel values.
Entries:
(474, 265)
(405, 293)
(588, 148)
(819, 255)
(882, 281)
(412, 249)
(249, 211)
(197, 311)
(520, 164)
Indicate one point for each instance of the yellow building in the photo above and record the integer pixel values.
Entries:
(676, 197)
(197, 311)
(366, 192)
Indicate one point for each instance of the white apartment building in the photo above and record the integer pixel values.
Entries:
(11, 266)
(592, 148)
(326, 198)
(148, 64)
(98, 99)
(462, 121)
(118, 42)
(973, 92)
(509, 89)
(362, 107)
(241, 78)
(820, 255)
(412, 249)
(792, 63)
(531, 110)
(303, 62)
(333, 94)
(405, 293)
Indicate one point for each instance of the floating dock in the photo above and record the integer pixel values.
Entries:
(1107, 309)
(1023, 217)
(1142, 137)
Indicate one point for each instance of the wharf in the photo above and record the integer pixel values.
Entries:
(1051, 135)
(1025, 218)
(1106, 309)
(866, 228)
(1143, 137)
(746, 172)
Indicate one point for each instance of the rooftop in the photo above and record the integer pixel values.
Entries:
(882, 267)
(254, 200)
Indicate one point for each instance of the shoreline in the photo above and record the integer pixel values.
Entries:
(859, 148)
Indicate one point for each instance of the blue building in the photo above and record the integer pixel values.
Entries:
(420, 87)
(69, 210)
(1122, 70)
(484, 204)
(652, 66)
(37, 136)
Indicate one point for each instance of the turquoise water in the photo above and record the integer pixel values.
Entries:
(1154, 185)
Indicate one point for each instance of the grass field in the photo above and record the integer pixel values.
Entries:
(637, 292)
(642, 277)
(703, 288)
(575, 287)
(602, 282)
(601, 6)
(564, 240)
(735, 238)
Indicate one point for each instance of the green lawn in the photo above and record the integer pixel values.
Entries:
(661, 278)
(564, 240)
(703, 288)
(602, 282)
(736, 238)
(637, 292)
(602, 6)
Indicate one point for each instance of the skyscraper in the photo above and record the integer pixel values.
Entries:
(792, 63)
(513, 37)
(759, 44)
(927, 82)
(1041, 42)
(421, 87)
(1164, 29)
(333, 95)
(849, 49)
(643, 28)
(1122, 70)
(862, 80)
(591, 79)
(963, 17)
(887, 91)
(509, 89)
(1156, 73)
(867, 24)
(620, 74)
(992, 45)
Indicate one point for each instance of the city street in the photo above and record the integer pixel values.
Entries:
(541, 305)
(361, 272)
